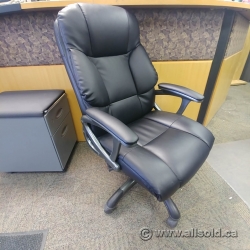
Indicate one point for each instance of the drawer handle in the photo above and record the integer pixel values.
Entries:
(65, 130)
(59, 113)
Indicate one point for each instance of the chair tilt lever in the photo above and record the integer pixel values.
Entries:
(115, 198)
(173, 212)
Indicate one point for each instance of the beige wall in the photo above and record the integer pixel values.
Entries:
(192, 74)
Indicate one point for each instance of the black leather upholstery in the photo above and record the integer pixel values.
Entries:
(104, 57)
(113, 126)
(180, 91)
(110, 70)
(170, 145)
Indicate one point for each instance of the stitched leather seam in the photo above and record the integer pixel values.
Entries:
(166, 131)
(67, 58)
(60, 27)
(102, 81)
(130, 67)
(189, 134)
(140, 103)
(128, 30)
(130, 97)
(71, 65)
(123, 99)
(75, 74)
(156, 137)
(161, 122)
(91, 43)
(153, 139)
(131, 70)
(87, 27)
(178, 129)
(144, 181)
(156, 155)
(193, 136)
(160, 158)
(126, 154)
(119, 155)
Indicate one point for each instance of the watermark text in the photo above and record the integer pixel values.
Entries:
(147, 233)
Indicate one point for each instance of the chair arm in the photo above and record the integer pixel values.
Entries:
(186, 94)
(180, 91)
(112, 125)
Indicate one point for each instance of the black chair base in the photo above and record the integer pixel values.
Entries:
(174, 214)
(110, 206)
(116, 197)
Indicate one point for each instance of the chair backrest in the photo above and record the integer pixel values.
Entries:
(106, 63)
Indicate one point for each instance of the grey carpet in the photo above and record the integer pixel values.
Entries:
(23, 241)
(71, 205)
(231, 161)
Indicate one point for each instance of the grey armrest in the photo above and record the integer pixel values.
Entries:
(186, 94)
(113, 126)
(180, 91)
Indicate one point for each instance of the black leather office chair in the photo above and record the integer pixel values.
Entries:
(114, 82)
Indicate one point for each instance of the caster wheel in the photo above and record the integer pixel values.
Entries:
(171, 222)
(108, 210)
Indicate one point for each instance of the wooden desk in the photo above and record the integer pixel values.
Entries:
(242, 8)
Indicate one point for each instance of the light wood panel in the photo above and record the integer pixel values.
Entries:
(42, 77)
(222, 85)
(43, 5)
(243, 8)
(242, 58)
(238, 82)
(191, 74)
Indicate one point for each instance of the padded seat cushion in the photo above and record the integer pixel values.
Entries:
(163, 159)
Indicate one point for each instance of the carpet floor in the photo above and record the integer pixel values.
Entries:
(70, 205)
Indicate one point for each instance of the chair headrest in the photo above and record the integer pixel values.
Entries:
(98, 30)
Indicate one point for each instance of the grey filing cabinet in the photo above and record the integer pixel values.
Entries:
(36, 131)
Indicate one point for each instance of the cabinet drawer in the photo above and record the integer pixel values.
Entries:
(56, 114)
(65, 139)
